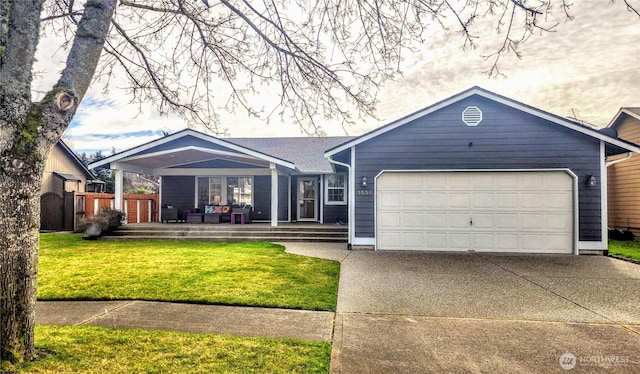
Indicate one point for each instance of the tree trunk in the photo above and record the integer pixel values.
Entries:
(27, 133)
(19, 222)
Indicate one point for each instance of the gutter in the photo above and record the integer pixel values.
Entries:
(350, 201)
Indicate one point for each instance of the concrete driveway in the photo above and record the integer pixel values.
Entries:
(414, 312)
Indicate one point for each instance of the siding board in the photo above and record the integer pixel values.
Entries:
(624, 183)
(505, 139)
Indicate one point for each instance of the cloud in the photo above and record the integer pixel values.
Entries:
(587, 67)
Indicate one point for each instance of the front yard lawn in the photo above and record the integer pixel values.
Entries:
(249, 273)
(628, 249)
(86, 349)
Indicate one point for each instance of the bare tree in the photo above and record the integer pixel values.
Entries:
(323, 59)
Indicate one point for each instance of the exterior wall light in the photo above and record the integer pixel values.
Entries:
(364, 181)
(591, 181)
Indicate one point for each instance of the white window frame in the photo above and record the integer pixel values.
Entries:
(326, 189)
(224, 195)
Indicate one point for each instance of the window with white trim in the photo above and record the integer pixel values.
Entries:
(225, 190)
(335, 189)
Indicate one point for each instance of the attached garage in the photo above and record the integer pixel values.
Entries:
(479, 172)
(505, 211)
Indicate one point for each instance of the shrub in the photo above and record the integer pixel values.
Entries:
(106, 220)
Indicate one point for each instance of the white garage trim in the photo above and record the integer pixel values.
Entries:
(570, 201)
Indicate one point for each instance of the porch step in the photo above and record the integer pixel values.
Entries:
(227, 232)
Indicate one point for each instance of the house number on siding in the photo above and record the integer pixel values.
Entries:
(364, 192)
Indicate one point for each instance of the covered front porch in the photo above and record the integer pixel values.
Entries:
(200, 174)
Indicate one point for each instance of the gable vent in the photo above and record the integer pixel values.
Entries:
(472, 116)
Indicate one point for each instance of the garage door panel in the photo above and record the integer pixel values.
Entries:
(508, 182)
(481, 211)
(557, 181)
(391, 181)
(459, 241)
(506, 221)
(459, 181)
(484, 242)
(390, 240)
(531, 181)
(436, 221)
(459, 221)
(390, 220)
(437, 241)
(413, 182)
(459, 200)
(507, 242)
(529, 221)
(436, 181)
(483, 200)
(389, 200)
(531, 200)
(482, 181)
(558, 222)
(483, 221)
(556, 242)
(557, 201)
(507, 200)
(531, 242)
(435, 200)
(412, 201)
(412, 220)
(413, 241)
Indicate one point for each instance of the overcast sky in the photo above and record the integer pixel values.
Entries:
(588, 68)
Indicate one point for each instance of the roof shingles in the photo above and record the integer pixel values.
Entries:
(305, 152)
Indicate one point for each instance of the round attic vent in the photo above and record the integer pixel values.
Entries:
(472, 116)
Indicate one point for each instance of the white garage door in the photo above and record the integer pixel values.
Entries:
(529, 212)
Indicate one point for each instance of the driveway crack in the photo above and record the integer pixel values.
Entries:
(548, 289)
(106, 312)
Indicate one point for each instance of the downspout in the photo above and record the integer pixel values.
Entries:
(611, 163)
(350, 202)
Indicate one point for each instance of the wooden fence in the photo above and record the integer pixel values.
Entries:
(138, 207)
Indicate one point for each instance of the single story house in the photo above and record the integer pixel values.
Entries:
(475, 172)
(624, 174)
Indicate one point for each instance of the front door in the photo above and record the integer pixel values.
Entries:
(307, 199)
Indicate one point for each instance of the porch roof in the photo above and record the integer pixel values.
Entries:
(189, 148)
(307, 153)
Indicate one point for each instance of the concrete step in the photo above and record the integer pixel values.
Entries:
(228, 232)
(324, 239)
(228, 227)
(270, 234)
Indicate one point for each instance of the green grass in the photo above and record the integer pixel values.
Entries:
(251, 274)
(86, 349)
(628, 249)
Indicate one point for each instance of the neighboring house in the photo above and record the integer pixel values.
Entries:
(475, 172)
(624, 175)
(64, 176)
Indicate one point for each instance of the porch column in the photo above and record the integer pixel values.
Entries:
(118, 175)
(274, 194)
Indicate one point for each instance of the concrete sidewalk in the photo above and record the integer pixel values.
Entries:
(196, 318)
(242, 321)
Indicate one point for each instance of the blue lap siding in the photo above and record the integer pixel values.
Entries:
(506, 138)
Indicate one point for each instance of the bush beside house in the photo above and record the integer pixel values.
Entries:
(106, 220)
